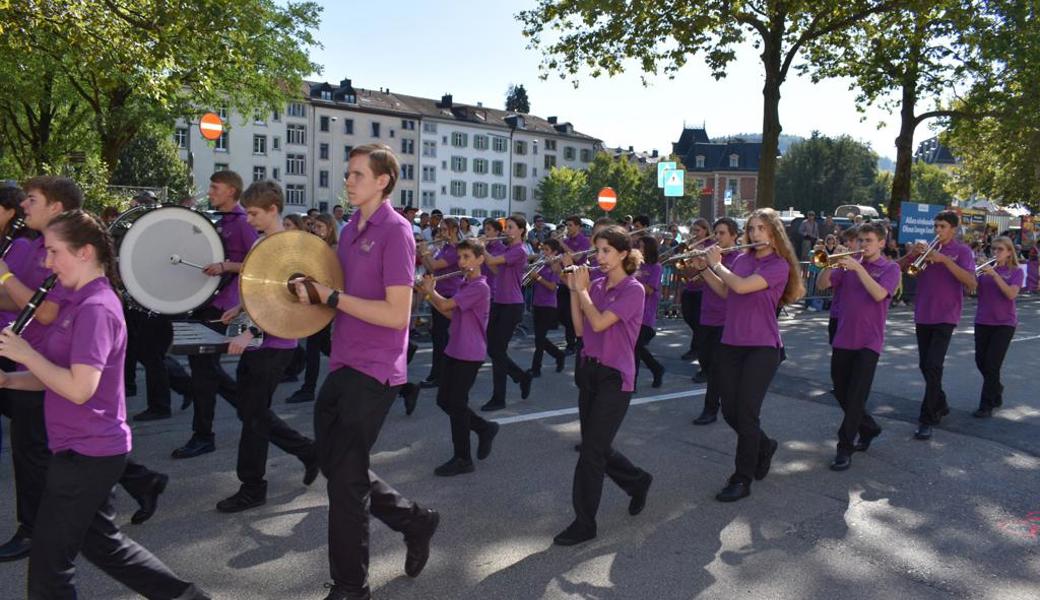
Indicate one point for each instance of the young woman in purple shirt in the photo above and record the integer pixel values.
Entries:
(443, 261)
(649, 276)
(544, 304)
(80, 368)
(759, 281)
(493, 229)
(996, 320)
(607, 315)
(468, 311)
(574, 241)
(507, 310)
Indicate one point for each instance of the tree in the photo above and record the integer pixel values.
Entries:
(152, 160)
(561, 193)
(822, 173)
(624, 177)
(931, 184)
(516, 99)
(663, 36)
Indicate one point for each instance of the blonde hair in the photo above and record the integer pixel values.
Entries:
(794, 289)
(1005, 241)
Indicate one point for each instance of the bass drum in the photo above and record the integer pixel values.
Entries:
(155, 246)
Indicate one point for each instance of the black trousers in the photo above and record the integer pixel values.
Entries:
(348, 415)
(646, 333)
(207, 378)
(76, 515)
(932, 343)
(439, 336)
(710, 339)
(991, 345)
(545, 319)
(148, 339)
(29, 452)
(501, 324)
(744, 374)
(601, 409)
(259, 372)
(852, 372)
(563, 310)
(691, 313)
(832, 328)
(453, 398)
(317, 344)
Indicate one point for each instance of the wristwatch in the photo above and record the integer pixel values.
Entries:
(333, 299)
(254, 331)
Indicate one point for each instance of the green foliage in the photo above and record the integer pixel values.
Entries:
(516, 99)
(561, 193)
(822, 173)
(92, 177)
(152, 160)
(931, 184)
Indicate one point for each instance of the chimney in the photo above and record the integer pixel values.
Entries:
(552, 120)
(654, 153)
(480, 105)
(445, 101)
(387, 90)
(631, 149)
(344, 83)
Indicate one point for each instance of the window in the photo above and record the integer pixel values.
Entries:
(699, 161)
(480, 190)
(294, 164)
(276, 143)
(180, 137)
(276, 115)
(550, 145)
(407, 146)
(519, 193)
(407, 197)
(326, 95)
(458, 188)
(497, 167)
(275, 174)
(222, 143)
(480, 166)
(296, 109)
(519, 170)
(260, 144)
(429, 199)
(498, 191)
(408, 172)
(569, 153)
(731, 187)
(429, 174)
(429, 149)
(407, 125)
(550, 161)
(480, 142)
(391, 133)
(458, 164)
(348, 126)
(323, 179)
(323, 123)
(375, 129)
(429, 127)
(734, 160)
(586, 155)
(444, 164)
(222, 113)
(456, 211)
(498, 214)
(294, 193)
(323, 151)
(459, 139)
(259, 173)
(519, 147)
(480, 213)
(346, 152)
(296, 134)
(499, 144)
(220, 167)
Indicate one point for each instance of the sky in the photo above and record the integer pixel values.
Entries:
(475, 49)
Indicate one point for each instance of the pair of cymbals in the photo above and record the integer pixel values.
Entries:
(263, 283)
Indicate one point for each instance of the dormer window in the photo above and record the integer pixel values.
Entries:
(326, 95)
(734, 160)
(350, 99)
(700, 161)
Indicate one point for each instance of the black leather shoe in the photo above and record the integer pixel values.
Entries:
(864, 441)
(658, 378)
(429, 383)
(734, 490)
(196, 446)
(841, 462)
(485, 440)
(300, 396)
(984, 412)
(241, 500)
(700, 377)
(561, 363)
(151, 415)
(525, 385)
(455, 466)
(923, 432)
(492, 405)
(150, 500)
(16, 548)
(574, 534)
(766, 460)
(707, 417)
(186, 401)
(638, 501)
(411, 398)
(418, 542)
(689, 355)
(310, 471)
(338, 593)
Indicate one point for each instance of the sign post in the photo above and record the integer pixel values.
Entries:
(674, 187)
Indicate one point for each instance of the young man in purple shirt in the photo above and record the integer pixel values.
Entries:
(866, 288)
(575, 241)
(366, 369)
(950, 270)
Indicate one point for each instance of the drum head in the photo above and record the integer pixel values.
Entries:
(145, 266)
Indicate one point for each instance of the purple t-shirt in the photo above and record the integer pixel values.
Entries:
(994, 308)
(31, 272)
(578, 243)
(595, 273)
(751, 318)
(542, 295)
(940, 296)
(713, 306)
(380, 256)
(495, 248)
(89, 330)
(510, 274)
(238, 238)
(650, 276)
(862, 321)
(467, 334)
(448, 286)
(615, 346)
(16, 255)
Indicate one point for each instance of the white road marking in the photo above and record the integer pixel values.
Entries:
(548, 414)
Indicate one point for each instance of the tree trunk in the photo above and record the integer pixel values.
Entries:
(772, 57)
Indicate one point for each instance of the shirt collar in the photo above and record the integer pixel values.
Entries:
(87, 290)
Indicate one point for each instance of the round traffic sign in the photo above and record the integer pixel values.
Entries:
(607, 199)
(211, 126)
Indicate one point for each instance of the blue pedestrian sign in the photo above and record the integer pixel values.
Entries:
(673, 183)
(661, 168)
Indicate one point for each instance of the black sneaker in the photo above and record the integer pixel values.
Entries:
(923, 432)
(300, 396)
(492, 405)
(455, 466)
(410, 393)
(658, 378)
(574, 534)
(525, 386)
(196, 446)
(841, 462)
(240, 501)
(734, 490)
(16, 548)
(707, 417)
(638, 501)
(485, 440)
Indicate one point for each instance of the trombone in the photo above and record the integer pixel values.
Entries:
(989, 263)
(914, 269)
(822, 260)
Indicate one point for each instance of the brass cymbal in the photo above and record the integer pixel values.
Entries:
(263, 283)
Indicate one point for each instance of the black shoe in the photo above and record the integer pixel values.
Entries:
(289, 378)
(864, 441)
(983, 412)
(534, 373)
(186, 401)
(310, 471)
(194, 593)
(151, 415)
(944, 411)
(426, 384)
(658, 378)
(492, 405)
(923, 432)
(766, 460)
(734, 490)
(689, 355)
(418, 542)
(574, 534)
(150, 500)
(338, 593)
(561, 362)
(16, 548)
(411, 398)
(485, 440)
(300, 396)
(841, 462)
(241, 500)
(525, 386)
(707, 417)
(455, 466)
(700, 377)
(638, 501)
(196, 446)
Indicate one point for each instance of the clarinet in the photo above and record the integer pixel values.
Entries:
(27, 314)
(6, 243)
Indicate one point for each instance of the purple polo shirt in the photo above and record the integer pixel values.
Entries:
(751, 318)
(448, 286)
(542, 296)
(713, 306)
(615, 346)
(862, 321)
(510, 273)
(16, 255)
(373, 259)
(940, 297)
(238, 238)
(89, 330)
(31, 272)
(650, 276)
(577, 243)
(467, 334)
(495, 248)
(994, 308)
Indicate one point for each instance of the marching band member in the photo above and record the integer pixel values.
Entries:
(995, 320)
(692, 296)
(445, 261)
(319, 343)
(760, 281)
(468, 311)
(649, 276)
(850, 242)
(377, 252)
(937, 310)
(79, 367)
(866, 287)
(575, 241)
(607, 314)
(544, 304)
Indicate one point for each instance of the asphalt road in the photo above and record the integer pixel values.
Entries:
(955, 517)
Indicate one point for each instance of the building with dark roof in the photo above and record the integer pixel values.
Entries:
(720, 169)
(933, 152)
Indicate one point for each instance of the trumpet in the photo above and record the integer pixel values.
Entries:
(914, 269)
(989, 263)
(697, 253)
(822, 260)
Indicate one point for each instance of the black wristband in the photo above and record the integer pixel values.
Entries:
(255, 331)
(333, 299)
